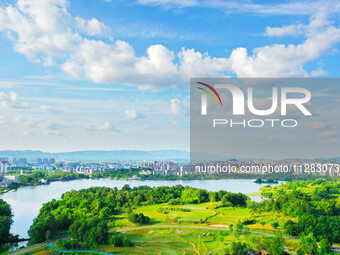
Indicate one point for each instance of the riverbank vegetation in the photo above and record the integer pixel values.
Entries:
(271, 178)
(33, 178)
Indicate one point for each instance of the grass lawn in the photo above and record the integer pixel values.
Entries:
(184, 241)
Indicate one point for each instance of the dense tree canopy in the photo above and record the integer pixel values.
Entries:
(5, 223)
(314, 203)
(80, 211)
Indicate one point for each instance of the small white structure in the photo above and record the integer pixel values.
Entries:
(44, 181)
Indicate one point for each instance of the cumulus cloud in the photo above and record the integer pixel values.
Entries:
(279, 60)
(195, 64)
(11, 100)
(103, 63)
(45, 32)
(132, 114)
(92, 27)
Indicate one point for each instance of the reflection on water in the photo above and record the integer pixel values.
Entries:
(26, 202)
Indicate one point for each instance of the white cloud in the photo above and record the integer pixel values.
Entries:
(39, 27)
(177, 107)
(48, 61)
(295, 29)
(170, 3)
(11, 100)
(46, 125)
(50, 109)
(132, 114)
(319, 72)
(279, 60)
(300, 7)
(107, 126)
(195, 64)
(92, 27)
(54, 133)
(318, 125)
(329, 134)
(117, 63)
(47, 33)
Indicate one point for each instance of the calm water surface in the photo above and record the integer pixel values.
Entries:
(26, 202)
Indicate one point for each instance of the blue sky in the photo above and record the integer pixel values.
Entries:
(78, 75)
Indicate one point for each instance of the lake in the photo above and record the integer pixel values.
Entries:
(26, 202)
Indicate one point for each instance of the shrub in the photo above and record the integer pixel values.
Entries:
(120, 241)
(249, 221)
(139, 218)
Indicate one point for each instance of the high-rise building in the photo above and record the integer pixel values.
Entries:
(51, 160)
(38, 161)
(45, 161)
(4, 166)
(22, 161)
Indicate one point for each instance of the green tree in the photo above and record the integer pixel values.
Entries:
(308, 244)
(5, 224)
(237, 248)
(325, 247)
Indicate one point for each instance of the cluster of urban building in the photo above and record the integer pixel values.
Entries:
(5, 178)
(169, 167)
(146, 168)
(38, 163)
(22, 163)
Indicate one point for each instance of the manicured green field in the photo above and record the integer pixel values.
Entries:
(203, 214)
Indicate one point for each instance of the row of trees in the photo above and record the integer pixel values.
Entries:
(34, 177)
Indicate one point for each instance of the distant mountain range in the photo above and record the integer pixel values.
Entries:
(100, 155)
